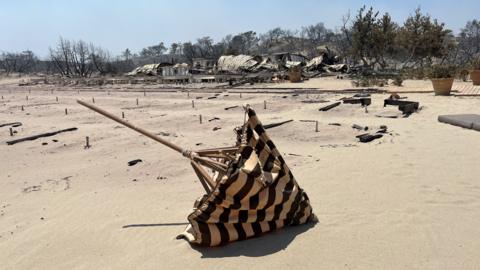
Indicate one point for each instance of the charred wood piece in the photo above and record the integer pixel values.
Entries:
(328, 107)
(406, 107)
(276, 124)
(362, 101)
(31, 138)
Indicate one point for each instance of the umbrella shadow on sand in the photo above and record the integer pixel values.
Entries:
(263, 245)
(155, 225)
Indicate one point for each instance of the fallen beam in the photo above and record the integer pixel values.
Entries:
(276, 124)
(231, 107)
(31, 138)
(328, 107)
(365, 138)
(363, 101)
(14, 124)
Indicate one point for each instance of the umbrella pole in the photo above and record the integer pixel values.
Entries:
(197, 159)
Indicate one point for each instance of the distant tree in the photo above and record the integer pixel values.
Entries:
(243, 43)
(385, 33)
(317, 34)
(22, 62)
(176, 48)
(341, 39)
(204, 47)
(422, 39)
(61, 56)
(271, 39)
(101, 60)
(469, 42)
(364, 34)
(189, 51)
(154, 51)
(127, 55)
(79, 59)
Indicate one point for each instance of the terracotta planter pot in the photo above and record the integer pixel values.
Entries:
(295, 76)
(475, 76)
(442, 87)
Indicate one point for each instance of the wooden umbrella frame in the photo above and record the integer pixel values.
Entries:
(216, 159)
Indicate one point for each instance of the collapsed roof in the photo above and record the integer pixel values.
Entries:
(326, 62)
(155, 69)
(151, 69)
(238, 63)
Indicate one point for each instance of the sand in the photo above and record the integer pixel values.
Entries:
(410, 200)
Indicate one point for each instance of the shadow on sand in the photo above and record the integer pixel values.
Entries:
(266, 244)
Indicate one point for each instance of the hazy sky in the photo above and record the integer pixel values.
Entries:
(134, 24)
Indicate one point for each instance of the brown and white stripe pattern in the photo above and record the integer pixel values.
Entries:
(258, 195)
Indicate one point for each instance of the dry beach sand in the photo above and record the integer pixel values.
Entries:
(410, 200)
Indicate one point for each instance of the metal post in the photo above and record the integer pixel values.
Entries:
(316, 126)
(200, 118)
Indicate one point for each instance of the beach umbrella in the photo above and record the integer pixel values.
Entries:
(251, 191)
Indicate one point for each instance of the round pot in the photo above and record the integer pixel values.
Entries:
(295, 76)
(475, 76)
(442, 87)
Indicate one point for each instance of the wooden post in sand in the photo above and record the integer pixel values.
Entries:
(137, 101)
(87, 142)
(200, 118)
(193, 103)
(66, 111)
(56, 99)
(93, 100)
(264, 104)
(123, 115)
(316, 126)
(22, 108)
(11, 132)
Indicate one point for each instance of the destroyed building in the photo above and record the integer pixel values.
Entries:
(238, 67)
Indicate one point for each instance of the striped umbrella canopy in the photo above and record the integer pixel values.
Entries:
(258, 194)
(252, 190)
